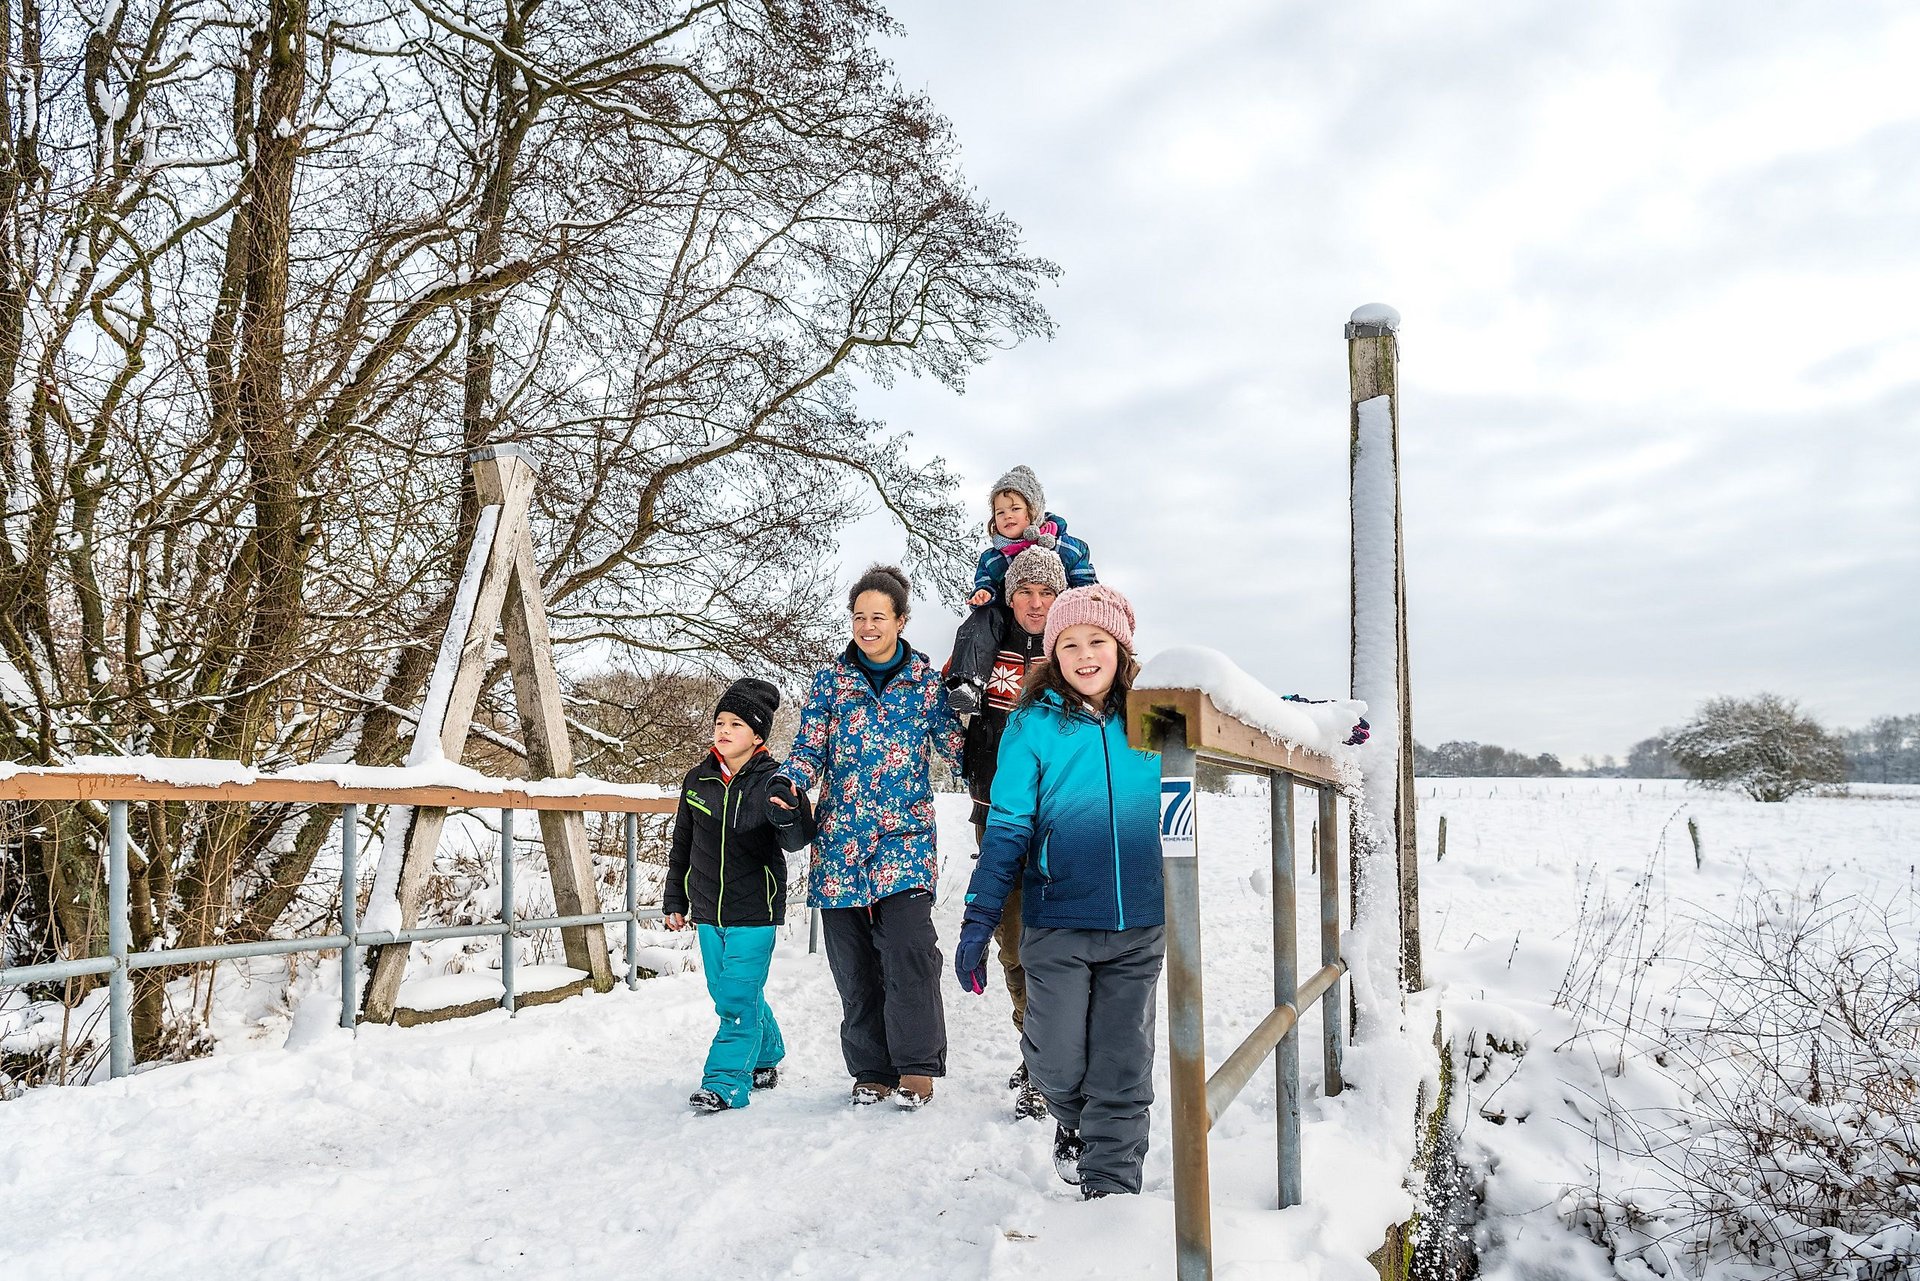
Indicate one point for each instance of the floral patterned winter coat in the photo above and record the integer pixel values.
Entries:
(872, 755)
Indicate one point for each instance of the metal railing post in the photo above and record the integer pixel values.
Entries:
(633, 900)
(813, 930)
(1330, 1016)
(349, 912)
(119, 979)
(506, 911)
(1186, 1013)
(1286, 989)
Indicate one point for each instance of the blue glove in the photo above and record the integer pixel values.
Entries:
(970, 956)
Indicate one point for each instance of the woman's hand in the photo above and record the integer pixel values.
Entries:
(675, 921)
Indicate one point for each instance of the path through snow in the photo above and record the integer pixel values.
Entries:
(560, 1143)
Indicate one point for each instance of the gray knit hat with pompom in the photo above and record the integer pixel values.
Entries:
(1023, 482)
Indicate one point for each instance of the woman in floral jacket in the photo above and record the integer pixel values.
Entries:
(871, 724)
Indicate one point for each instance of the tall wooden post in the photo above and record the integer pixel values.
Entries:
(1379, 618)
(501, 584)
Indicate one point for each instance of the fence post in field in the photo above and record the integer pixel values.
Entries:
(1379, 622)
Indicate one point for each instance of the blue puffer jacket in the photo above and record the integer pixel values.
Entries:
(990, 571)
(1081, 809)
(872, 757)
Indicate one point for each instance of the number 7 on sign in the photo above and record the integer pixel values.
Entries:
(1176, 819)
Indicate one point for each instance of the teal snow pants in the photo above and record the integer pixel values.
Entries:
(736, 959)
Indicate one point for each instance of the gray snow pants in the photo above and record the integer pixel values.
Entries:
(1088, 1040)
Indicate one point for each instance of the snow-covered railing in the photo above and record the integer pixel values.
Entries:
(1191, 705)
(349, 787)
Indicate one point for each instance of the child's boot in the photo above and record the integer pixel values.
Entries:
(1067, 1147)
(706, 1101)
(766, 1078)
(964, 697)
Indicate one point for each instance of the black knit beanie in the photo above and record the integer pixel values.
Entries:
(753, 701)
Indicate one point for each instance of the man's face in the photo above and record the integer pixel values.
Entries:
(1030, 604)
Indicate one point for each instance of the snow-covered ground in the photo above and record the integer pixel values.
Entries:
(559, 1142)
(1564, 908)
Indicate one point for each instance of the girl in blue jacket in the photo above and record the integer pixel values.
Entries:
(1076, 816)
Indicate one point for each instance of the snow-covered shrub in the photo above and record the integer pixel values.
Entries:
(1763, 746)
(1792, 1147)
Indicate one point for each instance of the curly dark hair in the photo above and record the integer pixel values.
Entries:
(890, 581)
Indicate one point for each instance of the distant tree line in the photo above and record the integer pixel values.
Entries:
(1885, 750)
(1482, 760)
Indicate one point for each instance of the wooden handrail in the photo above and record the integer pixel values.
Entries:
(1218, 735)
(58, 784)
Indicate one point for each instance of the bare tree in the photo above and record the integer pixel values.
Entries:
(268, 268)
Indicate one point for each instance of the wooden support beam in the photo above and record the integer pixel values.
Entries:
(507, 591)
(1215, 735)
(58, 784)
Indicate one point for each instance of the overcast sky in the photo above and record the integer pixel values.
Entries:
(1660, 365)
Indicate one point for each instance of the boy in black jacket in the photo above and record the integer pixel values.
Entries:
(728, 876)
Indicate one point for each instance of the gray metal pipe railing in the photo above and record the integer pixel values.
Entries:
(1231, 1077)
(121, 961)
(1198, 1099)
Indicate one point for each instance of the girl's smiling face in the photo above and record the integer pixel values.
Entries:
(1089, 658)
(1010, 515)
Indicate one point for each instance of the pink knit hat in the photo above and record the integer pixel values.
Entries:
(1100, 605)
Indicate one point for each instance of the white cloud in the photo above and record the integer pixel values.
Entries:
(1659, 393)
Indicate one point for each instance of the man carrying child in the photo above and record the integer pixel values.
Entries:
(1034, 578)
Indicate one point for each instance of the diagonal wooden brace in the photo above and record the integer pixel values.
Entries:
(501, 585)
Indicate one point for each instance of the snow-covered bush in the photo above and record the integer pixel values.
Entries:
(1763, 746)
(1792, 1149)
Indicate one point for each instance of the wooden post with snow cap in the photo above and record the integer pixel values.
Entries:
(1379, 622)
(501, 582)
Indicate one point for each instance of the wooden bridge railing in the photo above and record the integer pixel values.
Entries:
(116, 790)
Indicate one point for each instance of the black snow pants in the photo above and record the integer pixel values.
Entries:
(886, 962)
(976, 643)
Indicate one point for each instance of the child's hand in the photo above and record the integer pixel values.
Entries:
(980, 598)
(970, 956)
(782, 798)
(675, 921)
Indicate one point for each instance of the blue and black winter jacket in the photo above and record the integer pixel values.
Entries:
(728, 864)
(1080, 810)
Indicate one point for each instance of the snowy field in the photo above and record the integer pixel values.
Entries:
(559, 1142)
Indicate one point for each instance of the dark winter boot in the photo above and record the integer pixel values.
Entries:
(1067, 1148)
(707, 1101)
(964, 698)
(1094, 1194)
(865, 1092)
(766, 1078)
(1030, 1104)
(1019, 1077)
